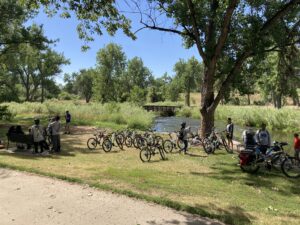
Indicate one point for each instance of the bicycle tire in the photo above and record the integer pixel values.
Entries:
(162, 153)
(91, 143)
(128, 142)
(168, 146)
(288, 164)
(145, 155)
(227, 148)
(180, 144)
(107, 145)
(207, 146)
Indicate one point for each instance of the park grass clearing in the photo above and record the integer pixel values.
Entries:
(211, 186)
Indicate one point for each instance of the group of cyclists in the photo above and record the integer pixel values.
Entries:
(259, 140)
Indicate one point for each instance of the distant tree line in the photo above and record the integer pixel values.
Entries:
(117, 79)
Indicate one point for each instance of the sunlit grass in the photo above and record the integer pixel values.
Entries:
(211, 186)
(110, 114)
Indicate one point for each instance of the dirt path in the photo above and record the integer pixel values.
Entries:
(31, 199)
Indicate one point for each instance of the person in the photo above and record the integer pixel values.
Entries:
(55, 129)
(263, 139)
(68, 121)
(38, 138)
(183, 135)
(248, 138)
(229, 133)
(297, 146)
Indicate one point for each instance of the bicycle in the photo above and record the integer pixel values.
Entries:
(100, 138)
(147, 152)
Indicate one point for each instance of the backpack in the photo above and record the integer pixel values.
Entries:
(250, 138)
(181, 134)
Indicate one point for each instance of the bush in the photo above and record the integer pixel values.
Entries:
(5, 114)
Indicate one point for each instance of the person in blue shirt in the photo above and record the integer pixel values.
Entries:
(68, 121)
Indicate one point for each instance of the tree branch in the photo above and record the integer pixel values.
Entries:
(225, 27)
(196, 32)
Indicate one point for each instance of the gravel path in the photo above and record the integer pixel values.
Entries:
(31, 199)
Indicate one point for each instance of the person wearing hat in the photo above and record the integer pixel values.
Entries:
(38, 137)
(263, 139)
(183, 136)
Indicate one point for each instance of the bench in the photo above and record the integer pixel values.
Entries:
(19, 138)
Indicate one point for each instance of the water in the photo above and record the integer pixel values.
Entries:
(170, 124)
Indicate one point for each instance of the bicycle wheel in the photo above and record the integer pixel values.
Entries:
(180, 144)
(142, 142)
(136, 142)
(119, 143)
(162, 153)
(167, 146)
(128, 142)
(145, 155)
(121, 138)
(291, 167)
(159, 140)
(106, 145)
(91, 143)
(250, 167)
(208, 146)
(224, 143)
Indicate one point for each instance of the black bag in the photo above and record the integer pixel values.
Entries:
(250, 141)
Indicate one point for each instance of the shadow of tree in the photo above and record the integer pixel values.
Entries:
(231, 215)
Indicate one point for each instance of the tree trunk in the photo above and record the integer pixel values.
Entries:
(278, 100)
(207, 122)
(43, 90)
(187, 98)
(207, 99)
(248, 98)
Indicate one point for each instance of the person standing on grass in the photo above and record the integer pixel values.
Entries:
(297, 146)
(55, 129)
(183, 136)
(229, 133)
(38, 137)
(263, 139)
(68, 121)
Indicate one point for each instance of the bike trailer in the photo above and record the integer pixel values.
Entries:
(246, 156)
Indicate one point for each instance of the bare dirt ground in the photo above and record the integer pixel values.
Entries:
(31, 199)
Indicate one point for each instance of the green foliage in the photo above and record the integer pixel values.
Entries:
(5, 114)
(124, 114)
(111, 62)
(67, 96)
(137, 96)
(93, 16)
(84, 83)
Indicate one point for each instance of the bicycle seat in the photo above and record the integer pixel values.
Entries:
(283, 143)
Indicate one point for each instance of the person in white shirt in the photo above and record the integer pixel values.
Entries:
(263, 139)
(38, 137)
(55, 133)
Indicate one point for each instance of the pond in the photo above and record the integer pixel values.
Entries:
(170, 124)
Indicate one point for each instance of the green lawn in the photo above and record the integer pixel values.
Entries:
(212, 186)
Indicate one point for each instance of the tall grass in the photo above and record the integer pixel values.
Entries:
(88, 114)
(285, 119)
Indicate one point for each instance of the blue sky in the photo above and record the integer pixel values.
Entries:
(159, 51)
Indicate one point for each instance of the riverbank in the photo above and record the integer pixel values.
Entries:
(286, 119)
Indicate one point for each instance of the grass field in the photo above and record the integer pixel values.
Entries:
(212, 186)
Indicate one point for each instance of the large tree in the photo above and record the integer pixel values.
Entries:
(111, 64)
(226, 34)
